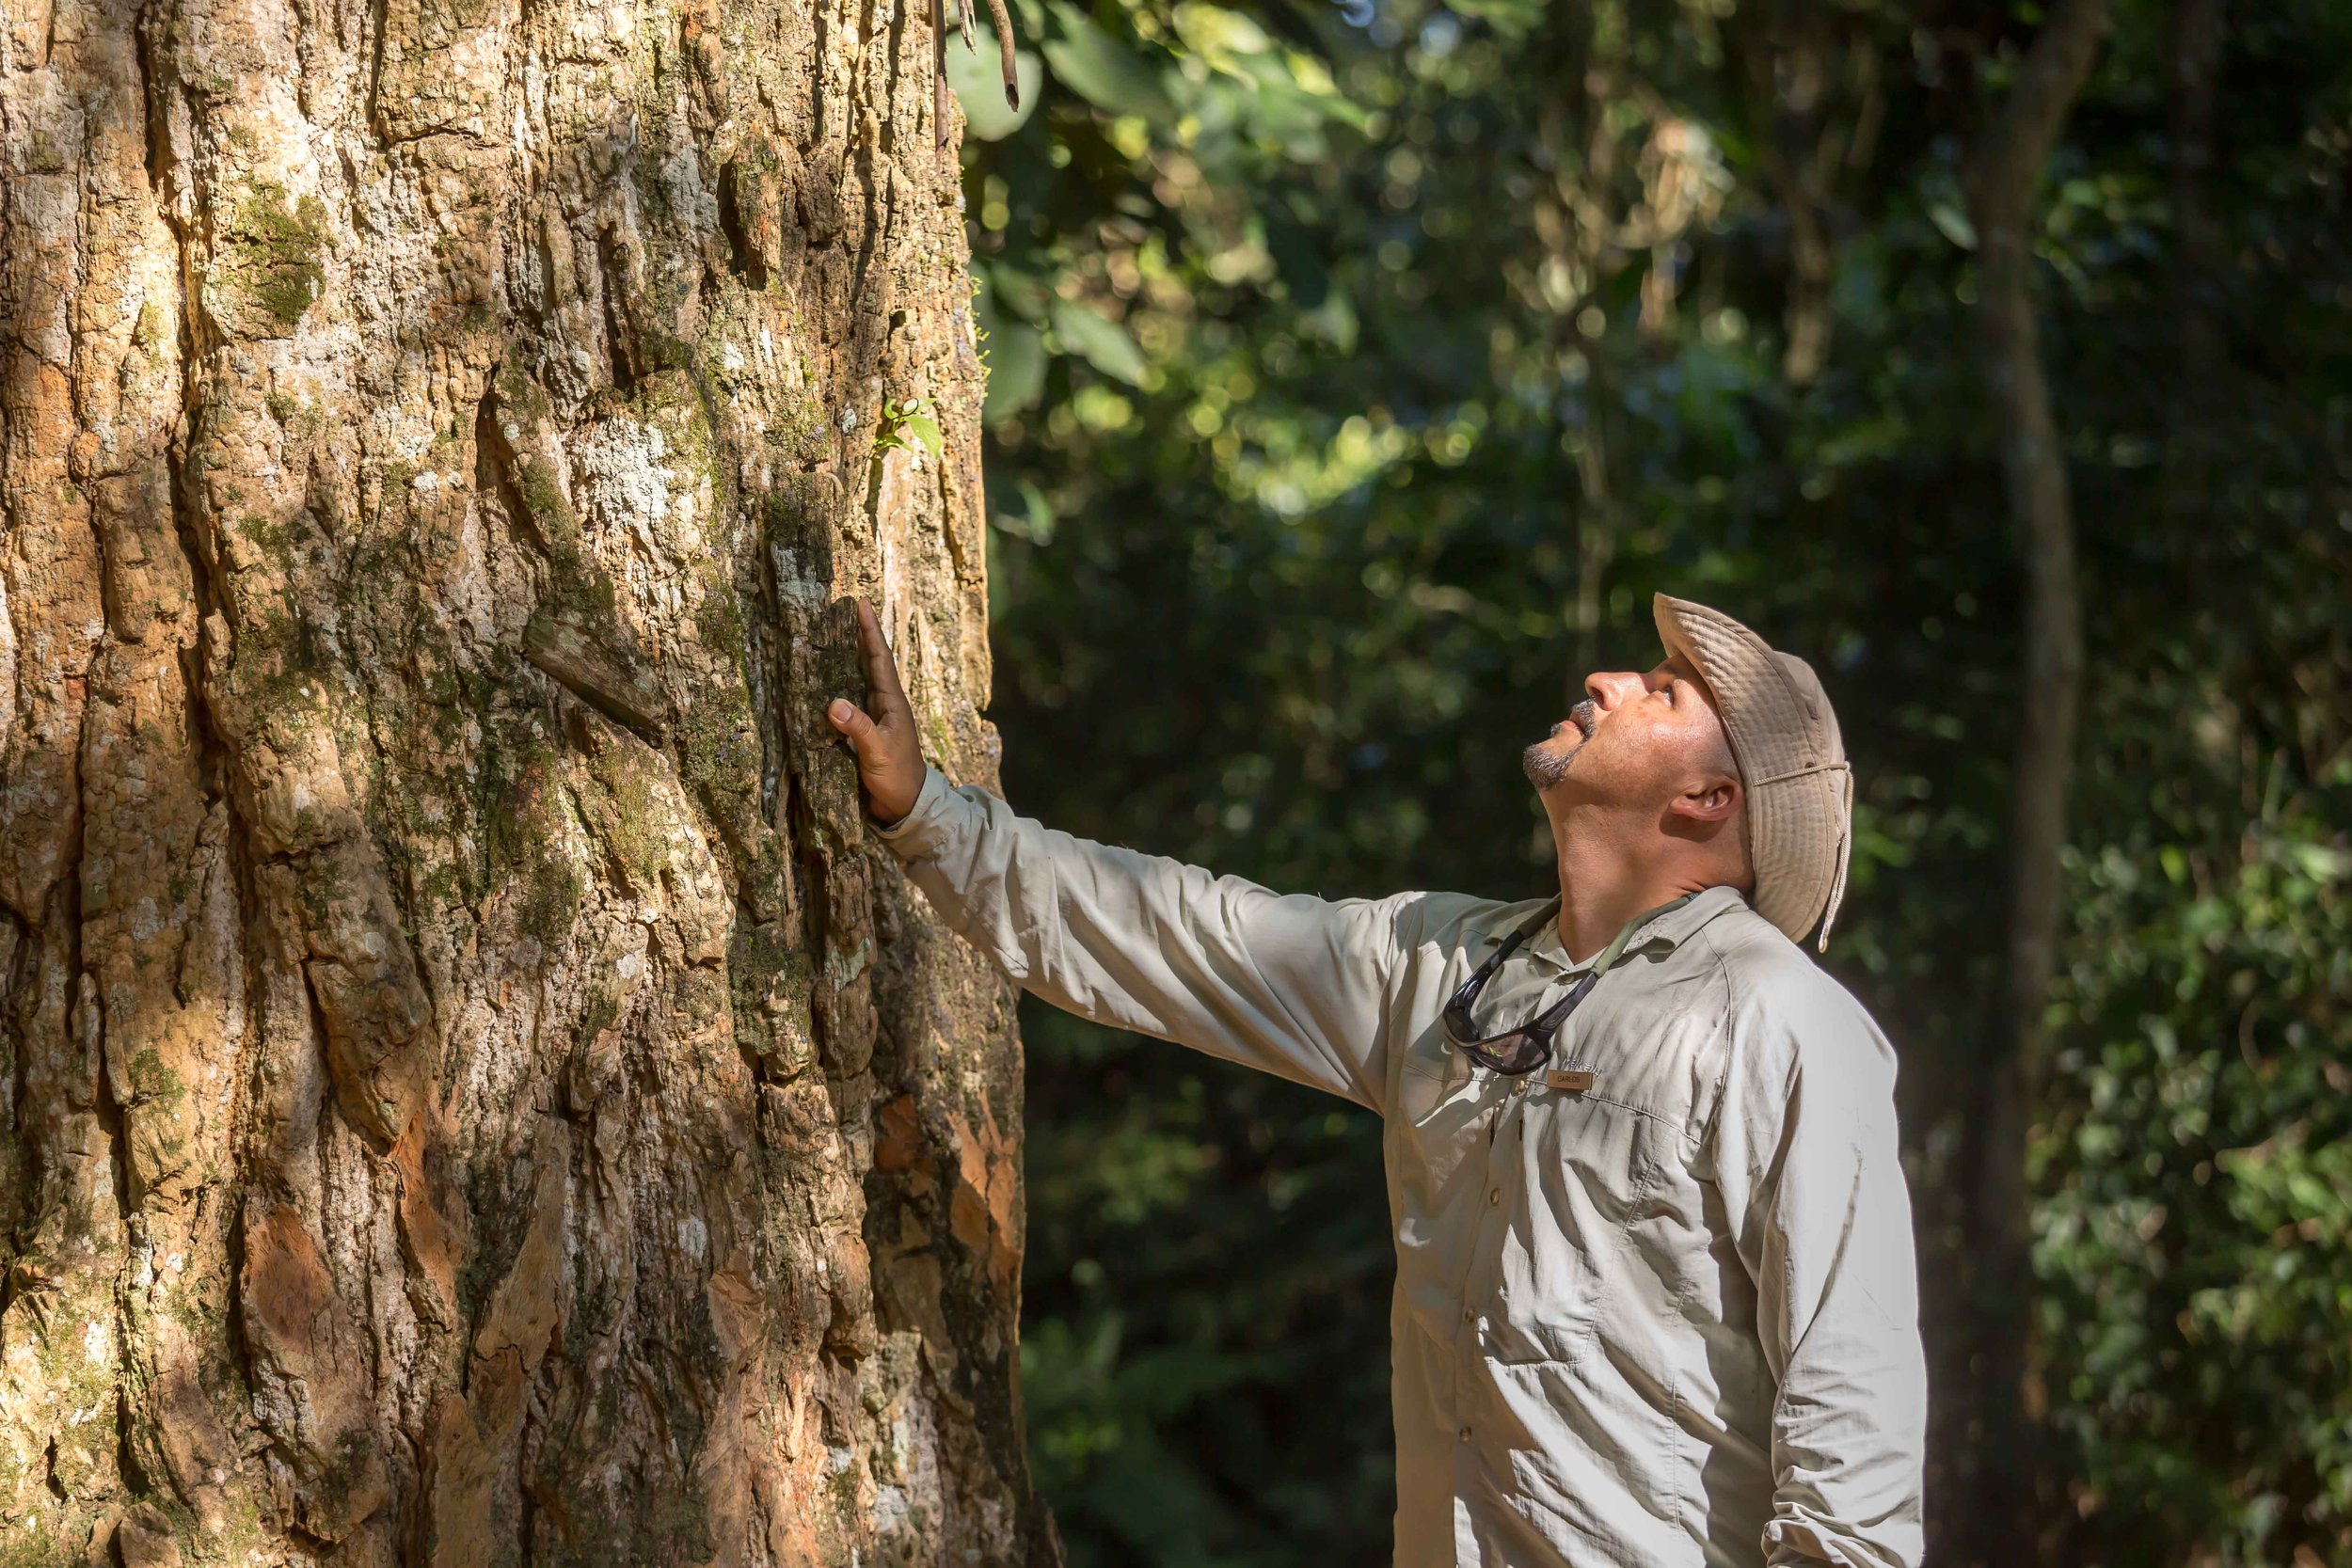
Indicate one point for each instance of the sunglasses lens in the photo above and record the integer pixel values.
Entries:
(1522, 1050)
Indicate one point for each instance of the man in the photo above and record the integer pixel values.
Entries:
(1655, 1299)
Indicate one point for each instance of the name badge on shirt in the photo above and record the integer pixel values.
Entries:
(1569, 1080)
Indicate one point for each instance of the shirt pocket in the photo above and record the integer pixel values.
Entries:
(1586, 1165)
(1439, 1117)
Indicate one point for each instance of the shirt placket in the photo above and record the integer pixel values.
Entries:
(1503, 1131)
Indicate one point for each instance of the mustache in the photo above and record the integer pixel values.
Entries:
(1583, 716)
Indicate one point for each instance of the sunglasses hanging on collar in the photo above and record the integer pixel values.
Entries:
(1523, 1049)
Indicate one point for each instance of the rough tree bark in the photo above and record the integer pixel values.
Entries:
(472, 1093)
(2006, 1504)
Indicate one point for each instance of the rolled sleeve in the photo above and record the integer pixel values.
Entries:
(1293, 985)
(1811, 1177)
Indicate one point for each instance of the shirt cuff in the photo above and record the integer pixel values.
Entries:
(921, 830)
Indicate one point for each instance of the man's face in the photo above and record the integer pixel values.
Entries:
(1636, 740)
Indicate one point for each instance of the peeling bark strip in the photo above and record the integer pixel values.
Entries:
(447, 1005)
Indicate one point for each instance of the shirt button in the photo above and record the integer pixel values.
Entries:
(1464, 1435)
(1494, 1195)
(1519, 1085)
(1470, 1315)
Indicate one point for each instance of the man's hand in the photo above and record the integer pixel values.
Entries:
(889, 757)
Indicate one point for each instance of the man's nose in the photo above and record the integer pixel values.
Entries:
(1611, 687)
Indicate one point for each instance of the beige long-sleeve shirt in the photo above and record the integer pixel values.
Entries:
(1669, 1319)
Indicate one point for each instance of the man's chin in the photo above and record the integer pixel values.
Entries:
(1547, 767)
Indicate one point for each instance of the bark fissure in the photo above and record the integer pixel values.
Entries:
(494, 472)
(158, 148)
(379, 14)
(17, 1166)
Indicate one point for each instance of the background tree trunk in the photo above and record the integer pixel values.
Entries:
(2193, 39)
(472, 1092)
(2007, 1504)
(1810, 82)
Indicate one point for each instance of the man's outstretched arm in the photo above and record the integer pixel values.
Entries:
(1293, 985)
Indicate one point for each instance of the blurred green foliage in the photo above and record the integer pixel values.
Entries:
(1358, 372)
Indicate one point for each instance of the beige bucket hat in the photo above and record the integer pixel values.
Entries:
(1783, 736)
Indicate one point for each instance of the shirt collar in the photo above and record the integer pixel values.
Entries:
(1667, 931)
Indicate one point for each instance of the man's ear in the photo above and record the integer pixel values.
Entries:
(1713, 798)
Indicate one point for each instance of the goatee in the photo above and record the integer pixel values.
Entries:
(1545, 768)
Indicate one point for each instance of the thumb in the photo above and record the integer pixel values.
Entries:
(853, 722)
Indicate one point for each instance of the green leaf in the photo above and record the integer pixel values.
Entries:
(1005, 288)
(1106, 72)
(1033, 522)
(1099, 340)
(926, 430)
(1953, 225)
(1016, 369)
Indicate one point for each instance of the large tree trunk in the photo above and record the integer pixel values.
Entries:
(472, 1092)
(2008, 1500)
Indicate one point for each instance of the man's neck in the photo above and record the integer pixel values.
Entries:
(1602, 887)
